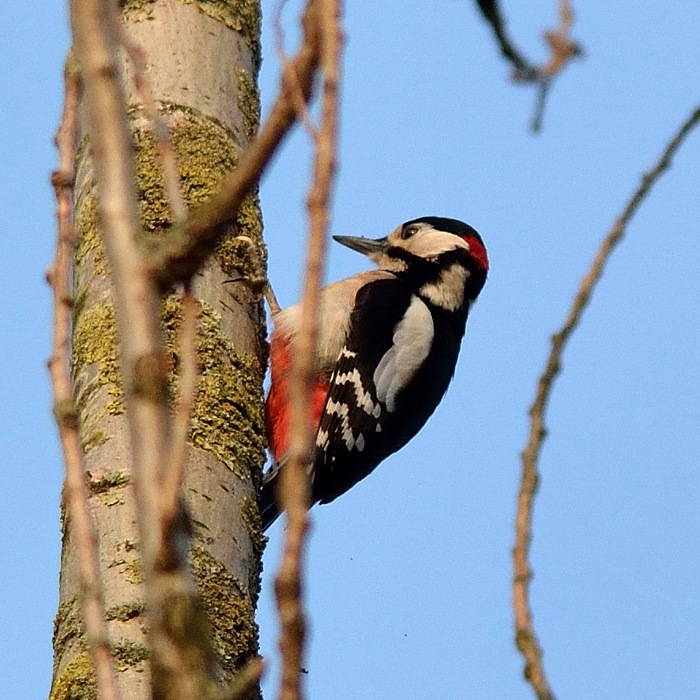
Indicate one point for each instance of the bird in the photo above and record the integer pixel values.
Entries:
(388, 342)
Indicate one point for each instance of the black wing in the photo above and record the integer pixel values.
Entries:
(359, 426)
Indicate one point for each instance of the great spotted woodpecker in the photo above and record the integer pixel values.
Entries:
(387, 350)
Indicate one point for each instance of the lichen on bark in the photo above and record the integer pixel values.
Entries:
(95, 343)
(89, 243)
(76, 681)
(125, 611)
(248, 99)
(243, 16)
(227, 417)
(68, 628)
(251, 517)
(206, 151)
(229, 609)
(128, 653)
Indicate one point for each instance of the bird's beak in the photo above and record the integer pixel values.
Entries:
(373, 248)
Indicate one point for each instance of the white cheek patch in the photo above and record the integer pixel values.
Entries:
(412, 340)
(447, 291)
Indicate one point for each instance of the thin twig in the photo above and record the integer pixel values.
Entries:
(258, 286)
(562, 48)
(492, 14)
(540, 104)
(185, 247)
(189, 373)
(525, 637)
(294, 493)
(76, 492)
(271, 299)
(166, 152)
(296, 94)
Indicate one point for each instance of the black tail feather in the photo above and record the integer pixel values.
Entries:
(269, 510)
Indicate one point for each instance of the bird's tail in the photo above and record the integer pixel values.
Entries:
(269, 508)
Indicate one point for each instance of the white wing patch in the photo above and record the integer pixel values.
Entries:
(413, 338)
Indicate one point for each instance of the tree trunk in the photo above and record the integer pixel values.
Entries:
(203, 59)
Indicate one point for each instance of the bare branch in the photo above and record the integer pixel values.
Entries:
(492, 14)
(540, 104)
(562, 48)
(258, 286)
(182, 251)
(271, 299)
(294, 495)
(296, 94)
(525, 637)
(76, 492)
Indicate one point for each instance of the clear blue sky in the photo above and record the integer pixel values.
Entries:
(409, 574)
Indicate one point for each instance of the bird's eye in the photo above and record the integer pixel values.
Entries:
(408, 231)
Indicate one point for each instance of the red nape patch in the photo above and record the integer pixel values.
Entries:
(277, 409)
(478, 252)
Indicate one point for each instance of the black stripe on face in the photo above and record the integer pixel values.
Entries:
(420, 271)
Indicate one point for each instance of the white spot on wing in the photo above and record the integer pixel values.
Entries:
(412, 340)
(342, 411)
(322, 439)
(364, 398)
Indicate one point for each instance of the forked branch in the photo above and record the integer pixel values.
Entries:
(183, 250)
(562, 49)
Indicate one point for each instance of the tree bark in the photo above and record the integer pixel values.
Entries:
(203, 59)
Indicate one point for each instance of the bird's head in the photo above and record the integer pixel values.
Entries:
(445, 260)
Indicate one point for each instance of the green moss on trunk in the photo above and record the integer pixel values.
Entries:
(76, 681)
(229, 609)
(227, 417)
(95, 343)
